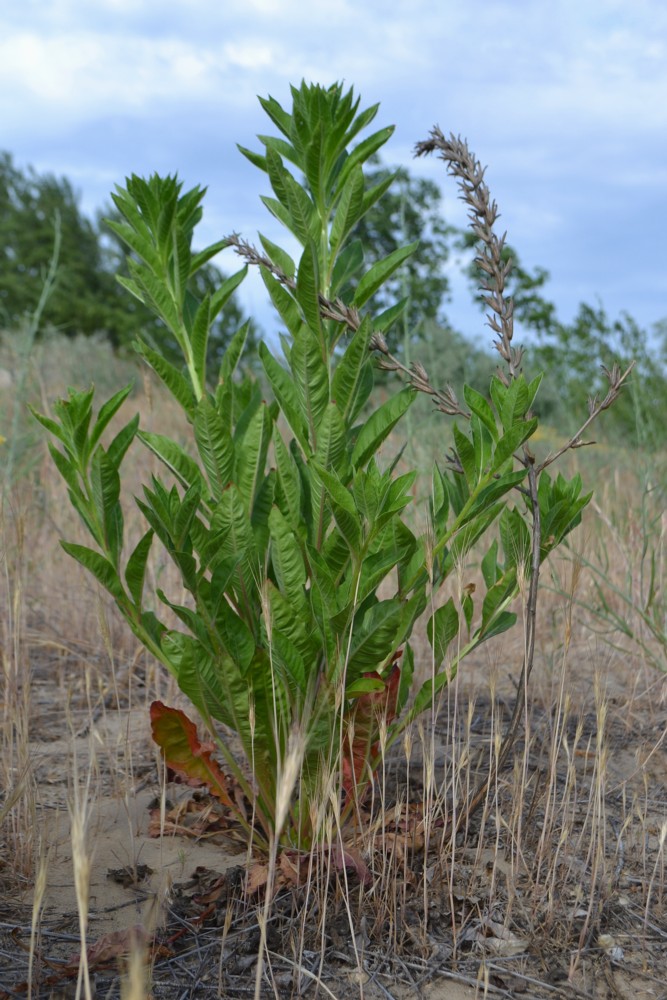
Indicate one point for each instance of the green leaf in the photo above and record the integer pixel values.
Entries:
(348, 381)
(307, 288)
(215, 446)
(490, 569)
(199, 334)
(498, 597)
(441, 629)
(379, 425)
(348, 209)
(198, 260)
(380, 272)
(512, 439)
(364, 150)
(285, 303)
(106, 414)
(232, 355)
(373, 638)
(289, 483)
(122, 441)
(135, 571)
(279, 257)
(505, 620)
(497, 489)
(389, 316)
(515, 538)
(236, 636)
(466, 454)
(179, 386)
(105, 491)
(332, 443)
(479, 405)
(343, 508)
(287, 560)
(222, 295)
(286, 393)
(176, 459)
(348, 262)
(67, 469)
(99, 566)
(251, 452)
(312, 380)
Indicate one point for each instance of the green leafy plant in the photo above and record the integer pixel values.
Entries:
(287, 526)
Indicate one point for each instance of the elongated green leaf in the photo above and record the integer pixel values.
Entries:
(279, 256)
(106, 414)
(157, 295)
(236, 636)
(288, 493)
(373, 639)
(199, 339)
(285, 303)
(289, 660)
(479, 405)
(139, 242)
(52, 427)
(348, 381)
(388, 317)
(312, 380)
(175, 381)
(307, 289)
(215, 446)
(441, 629)
(98, 565)
(175, 458)
(504, 621)
(380, 272)
(379, 425)
(67, 469)
(512, 439)
(135, 571)
(198, 260)
(251, 452)
(286, 393)
(497, 489)
(348, 209)
(332, 443)
(122, 441)
(302, 215)
(223, 294)
(361, 153)
(343, 507)
(255, 158)
(105, 491)
(348, 263)
(287, 560)
(465, 452)
(515, 538)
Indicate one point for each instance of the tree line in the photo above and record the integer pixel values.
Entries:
(87, 298)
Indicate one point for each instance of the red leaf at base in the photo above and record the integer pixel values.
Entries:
(185, 754)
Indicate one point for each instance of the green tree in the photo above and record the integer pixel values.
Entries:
(86, 297)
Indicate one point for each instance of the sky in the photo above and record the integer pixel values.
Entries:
(566, 102)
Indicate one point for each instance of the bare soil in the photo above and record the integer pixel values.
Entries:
(555, 889)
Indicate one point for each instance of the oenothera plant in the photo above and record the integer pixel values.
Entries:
(281, 517)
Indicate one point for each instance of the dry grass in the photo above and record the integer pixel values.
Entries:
(555, 888)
